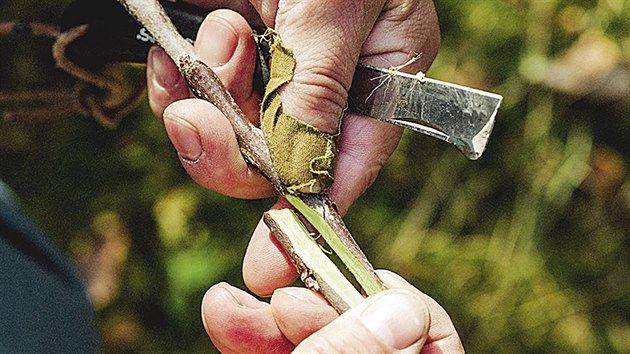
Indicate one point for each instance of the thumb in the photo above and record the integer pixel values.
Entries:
(392, 321)
(326, 37)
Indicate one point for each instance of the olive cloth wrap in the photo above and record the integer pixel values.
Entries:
(303, 155)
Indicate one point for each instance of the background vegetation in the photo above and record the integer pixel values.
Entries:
(528, 248)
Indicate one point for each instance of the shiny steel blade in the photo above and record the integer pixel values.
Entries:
(457, 114)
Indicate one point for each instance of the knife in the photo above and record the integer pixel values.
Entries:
(453, 113)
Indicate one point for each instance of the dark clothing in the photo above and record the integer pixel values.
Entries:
(43, 303)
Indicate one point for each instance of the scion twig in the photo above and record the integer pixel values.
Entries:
(206, 85)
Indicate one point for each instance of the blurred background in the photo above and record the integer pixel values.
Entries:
(527, 248)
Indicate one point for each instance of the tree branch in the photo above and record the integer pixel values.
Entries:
(207, 85)
(204, 83)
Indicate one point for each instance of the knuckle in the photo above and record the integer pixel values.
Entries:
(317, 94)
(421, 37)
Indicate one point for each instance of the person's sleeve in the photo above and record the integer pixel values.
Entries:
(43, 302)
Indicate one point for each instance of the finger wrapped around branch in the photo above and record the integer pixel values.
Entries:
(206, 85)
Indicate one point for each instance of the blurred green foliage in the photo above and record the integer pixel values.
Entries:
(528, 248)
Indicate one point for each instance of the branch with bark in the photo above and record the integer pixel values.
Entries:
(319, 210)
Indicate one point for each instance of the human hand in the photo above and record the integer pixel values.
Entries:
(328, 39)
(300, 320)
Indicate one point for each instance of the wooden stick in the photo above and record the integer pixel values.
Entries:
(316, 270)
(206, 85)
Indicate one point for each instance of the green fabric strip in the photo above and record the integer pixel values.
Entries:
(303, 156)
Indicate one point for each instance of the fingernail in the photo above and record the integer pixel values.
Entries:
(184, 137)
(239, 298)
(398, 317)
(299, 295)
(165, 73)
(216, 41)
(228, 292)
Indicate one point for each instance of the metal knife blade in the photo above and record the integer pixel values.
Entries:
(456, 114)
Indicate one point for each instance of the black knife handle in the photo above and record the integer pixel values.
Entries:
(114, 36)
